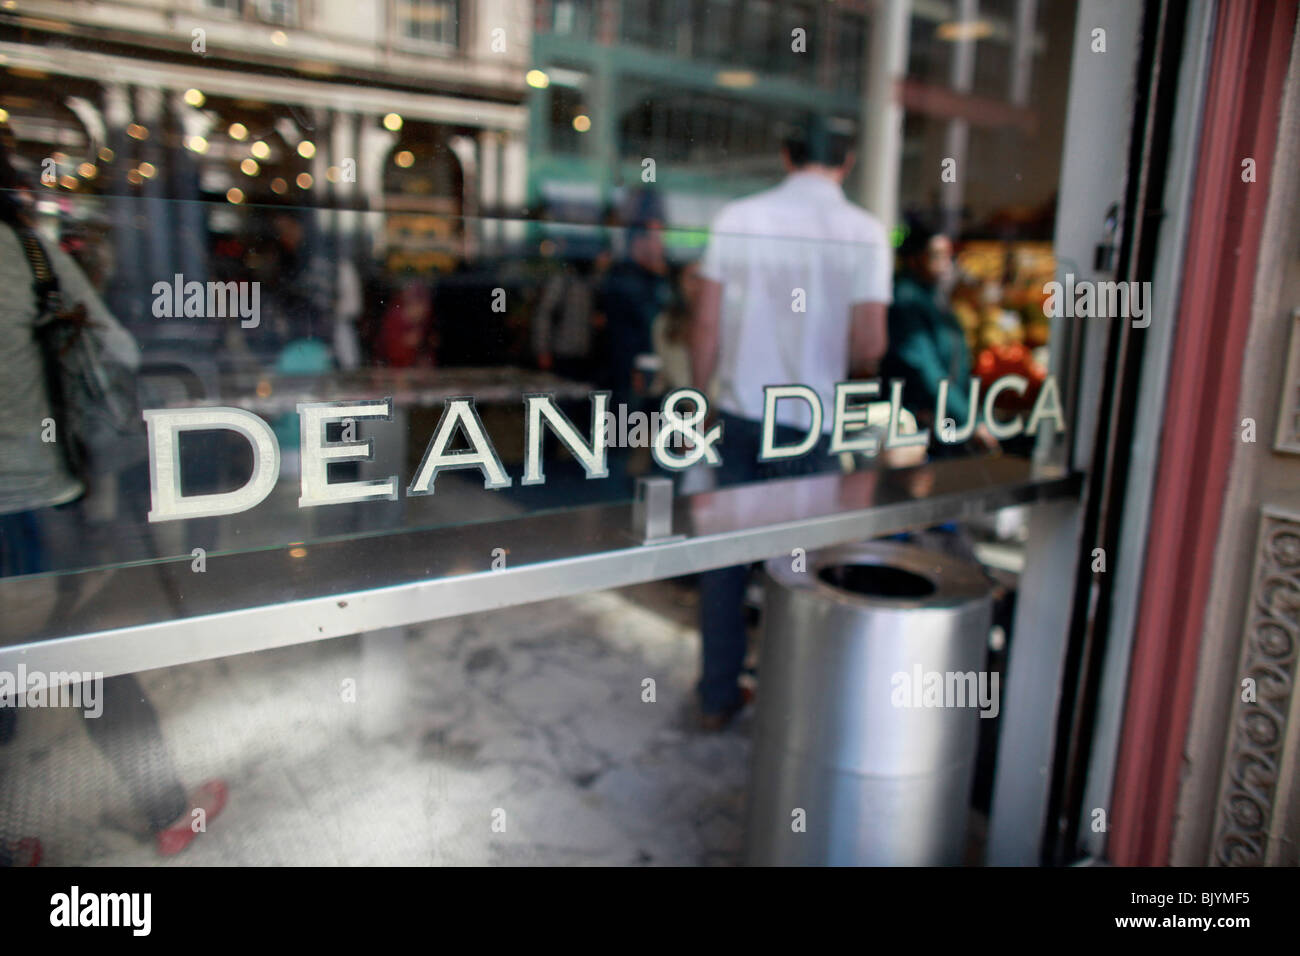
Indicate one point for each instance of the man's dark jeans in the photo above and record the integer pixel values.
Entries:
(722, 593)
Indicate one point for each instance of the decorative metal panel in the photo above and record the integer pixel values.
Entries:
(1258, 738)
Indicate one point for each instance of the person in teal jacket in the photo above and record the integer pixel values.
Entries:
(926, 343)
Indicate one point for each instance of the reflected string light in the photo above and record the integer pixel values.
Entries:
(248, 166)
(234, 195)
(304, 180)
(136, 131)
(260, 150)
(195, 97)
(306, 149)
(405, 159)
(238, 131)
(393, 122)
(197, 144)
(279, 186)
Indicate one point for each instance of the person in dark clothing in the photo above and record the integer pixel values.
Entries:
(926, 342)
(39, 494)
(634, 292)
(632, 295)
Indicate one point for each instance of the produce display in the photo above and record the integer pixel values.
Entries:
(998, 299)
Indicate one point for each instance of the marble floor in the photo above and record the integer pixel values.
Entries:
(521, 736)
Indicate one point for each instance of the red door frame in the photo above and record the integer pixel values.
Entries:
(1248, 66)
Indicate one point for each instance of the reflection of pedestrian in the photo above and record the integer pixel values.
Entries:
(794, 289)
(295, 288)
(38, 495)
(926, 342)
(672, 332)
(635, 290)
(562, 324)
(405, 337)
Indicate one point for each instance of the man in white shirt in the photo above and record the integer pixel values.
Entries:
(796, 284)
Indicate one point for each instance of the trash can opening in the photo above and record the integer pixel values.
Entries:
(877, 580)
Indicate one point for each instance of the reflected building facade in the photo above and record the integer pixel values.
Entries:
(173, 124)
(704, 88)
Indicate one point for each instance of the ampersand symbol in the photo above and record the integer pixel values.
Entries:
(700, 443)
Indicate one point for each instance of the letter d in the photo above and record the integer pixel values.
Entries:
(165, 426)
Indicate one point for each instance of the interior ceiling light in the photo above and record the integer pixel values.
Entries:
(957, 30)
(736, 79)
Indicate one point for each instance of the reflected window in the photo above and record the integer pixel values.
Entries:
(713, 21)
(431, 22)
(232, 8)
(992, 69)
(569, 120)
(998, 9)
(688, 127)
(929, 58)
(757, 33)
(801, 16)
(850, 46)
(576, 18)
(281, 12)
(650, 23)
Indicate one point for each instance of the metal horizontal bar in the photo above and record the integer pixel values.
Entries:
(273, 598)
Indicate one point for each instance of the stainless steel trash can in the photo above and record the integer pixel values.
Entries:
(854, 763)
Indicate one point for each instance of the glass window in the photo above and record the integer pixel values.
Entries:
(850, 49)
(992, 69)
(280, 12)
(568, 130)
(713, 19)
(1004, 10)
(803, 65)
(929, 58)
(650, 23)
(435, 22)
(758, 23)
(576, 18)
(426, 234)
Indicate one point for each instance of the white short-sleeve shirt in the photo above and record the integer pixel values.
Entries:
(800, 245)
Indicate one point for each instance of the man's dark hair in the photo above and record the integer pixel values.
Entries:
(813, 142)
